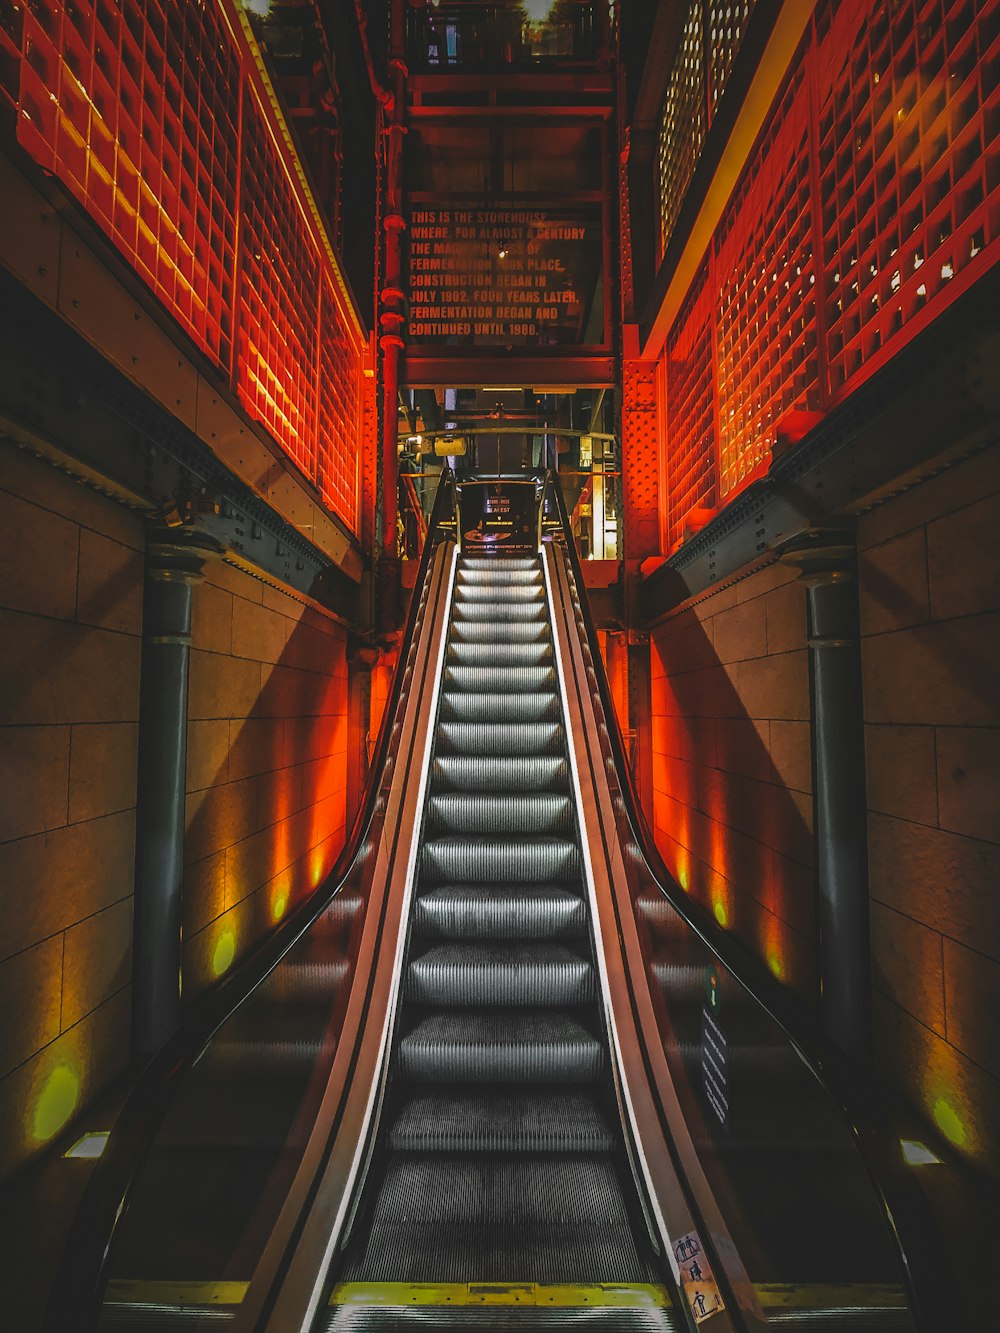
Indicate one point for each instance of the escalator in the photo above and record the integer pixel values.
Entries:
(471, 1083)
(503, 1158)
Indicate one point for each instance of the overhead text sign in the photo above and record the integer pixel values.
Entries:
(505, 276)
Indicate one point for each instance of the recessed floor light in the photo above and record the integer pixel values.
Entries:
(91, 1145)
(918, 1154)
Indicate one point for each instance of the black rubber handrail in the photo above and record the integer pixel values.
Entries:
(77, 1293)
(931, 1284)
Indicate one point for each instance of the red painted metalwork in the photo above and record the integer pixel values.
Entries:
(765, 285)
(869, 201)
(154, 116)
(690, 409)
(135, 107)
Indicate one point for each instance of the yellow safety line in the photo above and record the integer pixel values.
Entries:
(628, 1295)
(120, 1291)
(825, 1296)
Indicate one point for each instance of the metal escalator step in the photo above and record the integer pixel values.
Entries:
(499, 654)
(486, 973)
(499, 738)
(279, 1058)
(492, 564)
(511, 592)
(461, 706)
(486, 1046)
(500, 1217)
(479, 859)
(499, 679)
(497, 578)
(499, 1120)
(500, 611)
(292, 981)
(478, 1317)
(500, 772)
(510, 912)
(482, 631)
(500, 812)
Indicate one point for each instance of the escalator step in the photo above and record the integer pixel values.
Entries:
(537, 860)
(512, 592)
(498, 1120)
(524, 1218)
(500, 773)
(501, 610)
(382, 1318)
(494, 973)
(500, 679)
(499, 738)
(485, 1046)
(499, 654)
(292, 981)
(500, 812)
(513, 912)
(498, 564)
(464, 707)
(497, 578)
(279, 1058)
(479, 631)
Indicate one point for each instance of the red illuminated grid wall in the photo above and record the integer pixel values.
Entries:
(690, 407)
(765, 295)
(148, 112)
(861, 212)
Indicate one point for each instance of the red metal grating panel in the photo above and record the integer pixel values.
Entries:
(276, 375)
(909, 162)
(726, 25)
(135, 107)
(683, 122)
(691, 408)
(766, 305)
(340, 411)
(11, 38)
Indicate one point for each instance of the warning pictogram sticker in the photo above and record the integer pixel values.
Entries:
(701, 1291)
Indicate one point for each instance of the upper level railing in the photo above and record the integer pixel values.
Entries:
(457, 36)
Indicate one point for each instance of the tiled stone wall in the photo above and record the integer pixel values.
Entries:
(70, 619)
(267, 764)
(732, 780)
(266, 784)
(930, 615)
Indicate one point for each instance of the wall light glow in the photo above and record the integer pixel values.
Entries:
(56, 1103)
(279, 907)
(225, 952)
(721, 913)
(949, 1122)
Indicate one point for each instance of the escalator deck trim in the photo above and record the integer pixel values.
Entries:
(631, 1295)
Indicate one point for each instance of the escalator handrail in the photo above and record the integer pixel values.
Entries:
(852, 1089)
(76, 1296)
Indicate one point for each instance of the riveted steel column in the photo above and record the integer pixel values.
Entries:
(174, 563)
(827, 561)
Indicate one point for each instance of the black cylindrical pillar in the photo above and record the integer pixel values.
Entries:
(828, 564)
(174, 562)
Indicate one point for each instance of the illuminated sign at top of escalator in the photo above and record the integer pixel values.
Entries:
(500, 514)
